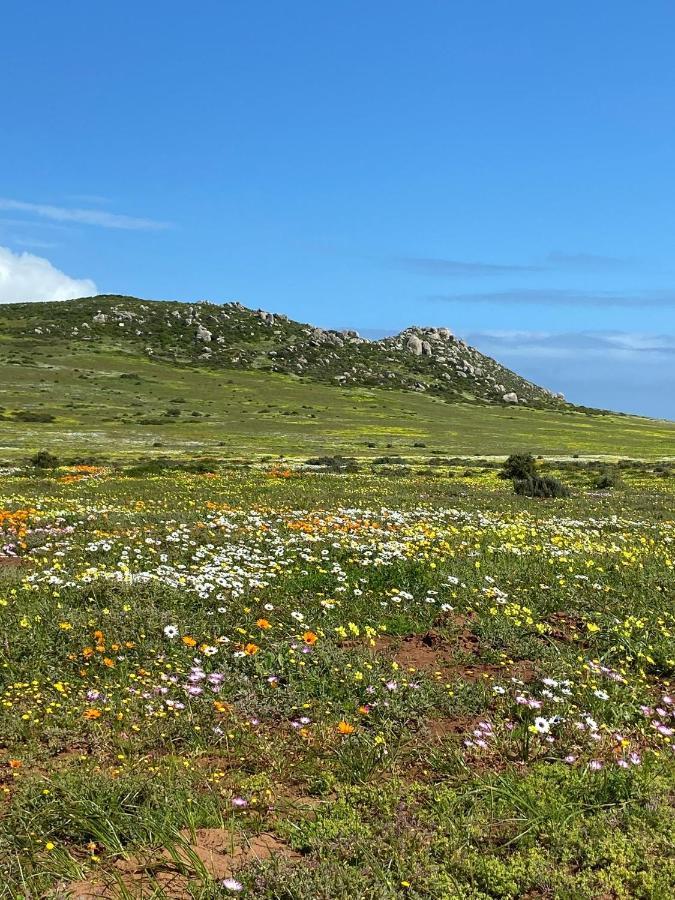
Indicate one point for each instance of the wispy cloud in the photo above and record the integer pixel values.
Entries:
(433, 266)
(97, 217)
(37, 243)
(567, 345)
(586, 261)
(630, 371)
(559, 297)
(554, 261)
(93, 199)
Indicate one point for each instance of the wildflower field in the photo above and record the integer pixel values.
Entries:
(281, 683)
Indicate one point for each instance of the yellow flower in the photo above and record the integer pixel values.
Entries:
(345, 728)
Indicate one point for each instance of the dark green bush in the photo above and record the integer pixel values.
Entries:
(544, 486)
(43, 459)
(392, 471)
(334, 463)
(28, 415)
(606, 481)
(519, 465)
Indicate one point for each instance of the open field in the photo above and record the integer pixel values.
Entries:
(124, 406)
(277, 683)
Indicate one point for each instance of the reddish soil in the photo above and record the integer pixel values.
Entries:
(432, 652)
(446, 727)
(567, 628)
(215, 849)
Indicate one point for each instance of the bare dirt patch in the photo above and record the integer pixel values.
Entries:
(214, 851)
(451, 727)
(567, 628)
(457, 657)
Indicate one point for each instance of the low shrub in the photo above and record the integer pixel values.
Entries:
(43, 459)
(543, 486)
(28, 415)
(520, 466)
(606, 481)
(334, 463)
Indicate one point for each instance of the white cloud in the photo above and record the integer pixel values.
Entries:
(82, 216)
(24, 276)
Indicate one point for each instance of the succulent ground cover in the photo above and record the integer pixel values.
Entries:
(277, 682)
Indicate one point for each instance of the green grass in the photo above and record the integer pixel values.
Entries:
(246, 413)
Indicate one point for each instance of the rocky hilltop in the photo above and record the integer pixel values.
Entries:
(230, 335)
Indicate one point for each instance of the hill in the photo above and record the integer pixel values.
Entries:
(121, 375)
(230, 336)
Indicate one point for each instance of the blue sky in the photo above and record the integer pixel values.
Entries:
(502, 168)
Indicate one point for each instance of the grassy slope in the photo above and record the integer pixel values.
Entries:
(244, 413)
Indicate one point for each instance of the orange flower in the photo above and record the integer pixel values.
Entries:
(92, 714)
(221, 707)
(364, 710)
(15, 763)
(108, 662)
(263, 623)
(251, 649)
(98, 637)
(189, 641)
(87, 652)
(309, 637)
(345, 728)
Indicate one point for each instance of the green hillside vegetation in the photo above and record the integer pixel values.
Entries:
(146, 384)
